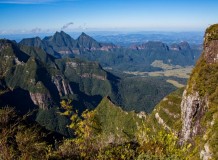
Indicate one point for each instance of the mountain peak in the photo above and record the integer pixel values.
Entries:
(184, 45)
(84, 35)
(62, 38)
(61, 33)
(87, 42)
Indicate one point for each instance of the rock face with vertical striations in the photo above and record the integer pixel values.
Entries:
(62, 85)
(193, 109)
(200, 100)
(42, 100)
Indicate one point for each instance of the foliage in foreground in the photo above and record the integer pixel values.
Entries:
(89, 144)
(18, 140)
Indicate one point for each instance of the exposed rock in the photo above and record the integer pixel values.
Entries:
(151, 45)
(175, 47)
(72, 64)
(161, 121)
(43, 100)
(211, 52)
(142, 115)
(88, 75)
(65, 52)
(62, 85)
(171, 114)
(17, 62)
(193, 108)
(206, 154)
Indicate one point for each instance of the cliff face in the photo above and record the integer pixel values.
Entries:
(41, 100)
(193, 108)
(199, 106)
(62, 85)
(211, 52)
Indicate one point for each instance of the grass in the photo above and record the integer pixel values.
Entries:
(160, 64)
(115, 121)
(211, 34)
(182, 72)
(175, 83)
(171, 103)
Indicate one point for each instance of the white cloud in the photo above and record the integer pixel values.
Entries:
(36, 30)
(67, 25)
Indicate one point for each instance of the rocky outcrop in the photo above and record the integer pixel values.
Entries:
(161, 122)
(193, 108)
(199, 102)
(62, 85)
(43, 100)
(211, 44)
(206, 154)
(211, 52)
(95, 76)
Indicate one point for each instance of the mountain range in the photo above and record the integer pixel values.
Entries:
(133, 58)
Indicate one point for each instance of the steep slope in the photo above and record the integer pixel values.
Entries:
(85, 82)
(117, 125)
(167, 114)
(34, 42)
(87, 43)
(36, 80)
(57, 45)
(193, 115)
(143, 93)
(199, 103)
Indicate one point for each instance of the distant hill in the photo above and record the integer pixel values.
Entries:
(133, 58)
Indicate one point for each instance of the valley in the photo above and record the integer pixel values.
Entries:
(103, 96)
(108, 80)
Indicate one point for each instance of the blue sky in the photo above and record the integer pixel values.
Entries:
(41, 16)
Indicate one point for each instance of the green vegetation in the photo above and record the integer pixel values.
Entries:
(143, 93)
(45, 80)
(116, 123)
(175, 83)
(169, 111)
(204, 80)
(51, 120)
(211, 34)
(135, 58)
(18, 140)
(95, 127)
(94, 141)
